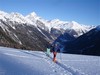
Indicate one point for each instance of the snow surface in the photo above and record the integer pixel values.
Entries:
(22, 62)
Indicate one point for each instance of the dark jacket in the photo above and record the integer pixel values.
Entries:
(52, 48)
(55, 48)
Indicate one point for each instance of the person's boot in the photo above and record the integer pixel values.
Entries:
(54, 59)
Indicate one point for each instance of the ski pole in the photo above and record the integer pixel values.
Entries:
(60, 55)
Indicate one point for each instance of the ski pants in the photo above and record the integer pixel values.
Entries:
(54, 55)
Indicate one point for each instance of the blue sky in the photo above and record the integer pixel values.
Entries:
(82, 11)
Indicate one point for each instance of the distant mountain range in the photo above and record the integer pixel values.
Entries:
(34, 32)
(88, 43)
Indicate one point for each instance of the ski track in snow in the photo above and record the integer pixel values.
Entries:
(56, 68)
(66, 70)
(24, 58)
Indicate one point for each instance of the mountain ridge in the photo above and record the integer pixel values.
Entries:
(35, 32)
(87, 43)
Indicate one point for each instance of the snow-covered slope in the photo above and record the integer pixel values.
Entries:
(21, 62)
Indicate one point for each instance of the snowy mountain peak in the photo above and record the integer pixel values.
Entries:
(17, 17)
(98, 28)
(3, 13)
(58, 21)
(73, 21)
(55, 20)
(75, 25)
(58, 24)
(33, 14)
(15, 14)
(34, 19)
